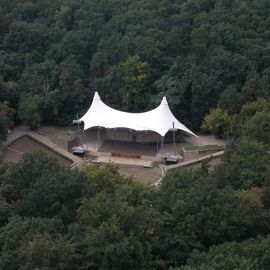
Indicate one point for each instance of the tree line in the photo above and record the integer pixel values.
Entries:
(55, 54)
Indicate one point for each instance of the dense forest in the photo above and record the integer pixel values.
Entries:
(52, 217)
(199, 53)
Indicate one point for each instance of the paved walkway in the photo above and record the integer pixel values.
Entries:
(76, 160)
(196, 163)
(16, 133)
(124, 161)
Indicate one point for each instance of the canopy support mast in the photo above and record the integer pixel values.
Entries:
(162, 145)
(98, 138)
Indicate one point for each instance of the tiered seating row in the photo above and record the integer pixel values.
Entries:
(25, 145)
(12, 156)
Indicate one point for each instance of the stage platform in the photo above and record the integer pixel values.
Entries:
(128, 147)
(131, 149)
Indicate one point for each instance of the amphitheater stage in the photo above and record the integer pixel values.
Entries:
(122, 141)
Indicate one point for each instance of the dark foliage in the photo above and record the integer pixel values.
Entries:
(198, 53)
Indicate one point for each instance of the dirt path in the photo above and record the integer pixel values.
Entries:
(140, 174)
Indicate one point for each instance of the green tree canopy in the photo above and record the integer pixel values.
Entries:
(6, 116)
(135, 76)
(39, 187)
(252, 254)
(218, 122)
(29, 111)
(134, 52)
(245, 165)
(258, 127)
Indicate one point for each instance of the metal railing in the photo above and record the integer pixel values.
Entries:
(213, 160)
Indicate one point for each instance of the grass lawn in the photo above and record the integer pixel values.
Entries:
(59, 133)
(143, 175)
(204, 148)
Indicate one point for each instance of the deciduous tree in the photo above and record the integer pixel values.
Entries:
(218, 122)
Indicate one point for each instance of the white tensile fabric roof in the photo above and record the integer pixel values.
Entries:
(159, 120)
